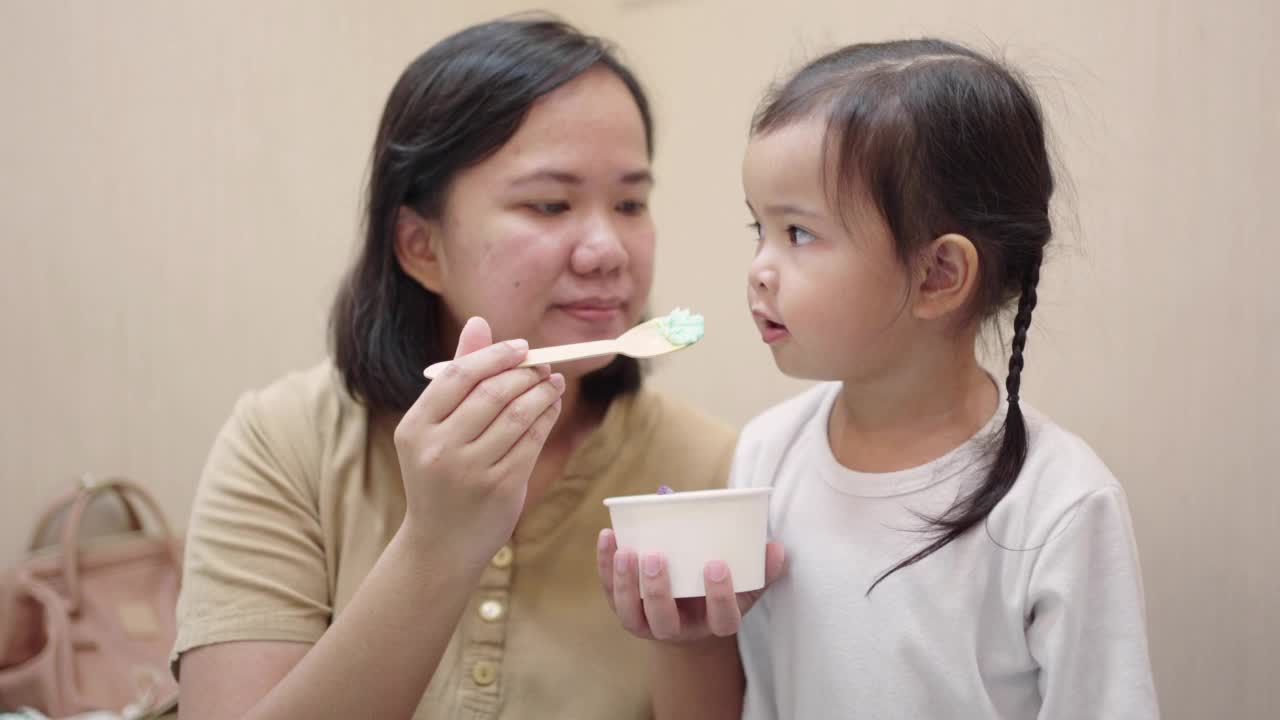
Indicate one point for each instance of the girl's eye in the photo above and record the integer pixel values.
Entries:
(756, 233)
(548, 208)
(632, 207)
(799, 236)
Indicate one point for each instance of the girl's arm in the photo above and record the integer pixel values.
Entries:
(697, 672)
(1087, 616)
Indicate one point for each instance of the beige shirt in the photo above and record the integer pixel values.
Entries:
(302, 492)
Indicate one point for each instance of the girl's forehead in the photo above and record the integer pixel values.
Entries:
(788, 164)
(794, 171)
(808, 135)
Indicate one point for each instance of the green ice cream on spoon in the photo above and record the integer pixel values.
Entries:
(682, 327)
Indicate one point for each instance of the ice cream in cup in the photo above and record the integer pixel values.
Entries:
(694, 528)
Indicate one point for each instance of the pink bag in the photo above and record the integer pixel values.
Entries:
(87, 624)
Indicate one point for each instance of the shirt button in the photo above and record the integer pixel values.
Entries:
(484, 673)
(491, 610)
(503, 558)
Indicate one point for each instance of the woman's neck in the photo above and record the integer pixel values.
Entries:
(926, 406)
(579, 416)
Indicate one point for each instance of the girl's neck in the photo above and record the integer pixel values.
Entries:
(926, 406)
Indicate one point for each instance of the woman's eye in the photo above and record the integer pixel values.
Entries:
(756, 233)
(548, 208)
(799, 236)
(632, 207)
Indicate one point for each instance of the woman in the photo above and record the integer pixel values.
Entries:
(362, 547)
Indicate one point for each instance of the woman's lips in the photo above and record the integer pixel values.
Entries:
(593, 312)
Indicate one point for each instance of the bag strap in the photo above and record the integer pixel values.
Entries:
(134, 497)
(57, 630)
(8, 608)
(66, 500)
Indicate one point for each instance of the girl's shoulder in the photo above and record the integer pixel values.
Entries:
(765, 439)
(790, 415)
(1060, 475)
(1060, 458)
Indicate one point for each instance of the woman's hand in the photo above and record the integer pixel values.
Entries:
(469, 443)
(639, 591)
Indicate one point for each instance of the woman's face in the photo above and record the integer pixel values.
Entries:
(550, 238)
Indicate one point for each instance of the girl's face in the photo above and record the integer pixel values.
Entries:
(550, 238)
(828, 294)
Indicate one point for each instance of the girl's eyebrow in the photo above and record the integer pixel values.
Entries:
(786, 209)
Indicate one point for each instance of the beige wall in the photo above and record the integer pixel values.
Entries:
(178, 193)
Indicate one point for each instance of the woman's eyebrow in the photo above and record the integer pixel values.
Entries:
(564, 177)
(547, 174)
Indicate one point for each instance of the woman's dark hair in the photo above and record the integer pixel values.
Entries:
(453, 107)
(943, 140)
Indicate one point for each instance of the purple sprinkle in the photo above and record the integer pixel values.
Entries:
(665, 490)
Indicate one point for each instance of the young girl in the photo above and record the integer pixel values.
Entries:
(951, 553)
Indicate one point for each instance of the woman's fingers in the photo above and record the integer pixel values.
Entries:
(775, 562)
(606, 548)
(446, 393)
(627, 604)
(515, 417)
(655, 591)
(639, 589)
(520, 457)
(723, 614)
(475, 335)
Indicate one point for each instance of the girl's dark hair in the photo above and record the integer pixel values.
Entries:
(454, 106)
(943, 140)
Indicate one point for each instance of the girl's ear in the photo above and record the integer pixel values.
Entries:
(947, 275)
(417, 246)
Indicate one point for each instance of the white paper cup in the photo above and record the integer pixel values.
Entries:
(694, 528)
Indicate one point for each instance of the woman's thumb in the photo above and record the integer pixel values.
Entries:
(474, 336)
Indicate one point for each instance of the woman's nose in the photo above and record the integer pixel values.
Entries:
(601, 250)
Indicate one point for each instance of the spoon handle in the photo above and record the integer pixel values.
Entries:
(565, 353)
(549, 355)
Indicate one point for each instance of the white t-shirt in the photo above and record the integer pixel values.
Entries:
(1039, 614)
